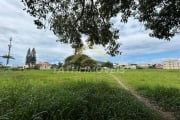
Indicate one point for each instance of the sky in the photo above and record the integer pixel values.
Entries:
(137, 47)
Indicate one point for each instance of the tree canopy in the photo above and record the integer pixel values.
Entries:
(107, 64)
(80, 60)
(69, 19)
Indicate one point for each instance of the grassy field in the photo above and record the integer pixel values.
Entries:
(45, 95)
(160, 86)
(49, 95)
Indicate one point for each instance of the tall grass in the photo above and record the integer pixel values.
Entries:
(161, 86)
(45, 95)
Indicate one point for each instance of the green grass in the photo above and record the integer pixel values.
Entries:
(161, 86)
(45, 95)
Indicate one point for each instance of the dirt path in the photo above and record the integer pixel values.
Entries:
(146, 102)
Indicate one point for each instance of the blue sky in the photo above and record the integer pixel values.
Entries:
(137, 46)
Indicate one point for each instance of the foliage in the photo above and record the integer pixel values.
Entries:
(28, 57)
(80, 60)
(69, 19)
(60, 65)
(36, 67)
(2, 66)
(107, 64)
(31, 57)
(160, 16)
(88, 62)
(54, 66)
(57, 66)
(45, 95)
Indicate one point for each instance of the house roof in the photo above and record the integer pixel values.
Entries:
(43, 63)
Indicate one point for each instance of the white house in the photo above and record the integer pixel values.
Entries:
(128, 66)
(44, 65)
(144, 66)
(158, 66)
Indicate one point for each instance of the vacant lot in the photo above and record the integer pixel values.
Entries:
(45, 95)
(161, 86)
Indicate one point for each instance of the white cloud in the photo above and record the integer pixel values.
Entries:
(17, 23)
(136, 40)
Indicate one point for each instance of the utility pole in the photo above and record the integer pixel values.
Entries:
(9, 51)
(8, 56)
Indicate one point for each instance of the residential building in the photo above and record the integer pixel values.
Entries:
(44, 65)
(158, 66)
(171, 64)
(144, 66)
(128, 66)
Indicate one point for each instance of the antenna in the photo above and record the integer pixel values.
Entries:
(8, 56)
(9, 50)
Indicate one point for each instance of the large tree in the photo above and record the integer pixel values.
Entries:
(80, 60)
(107, 64)
(69, 19)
